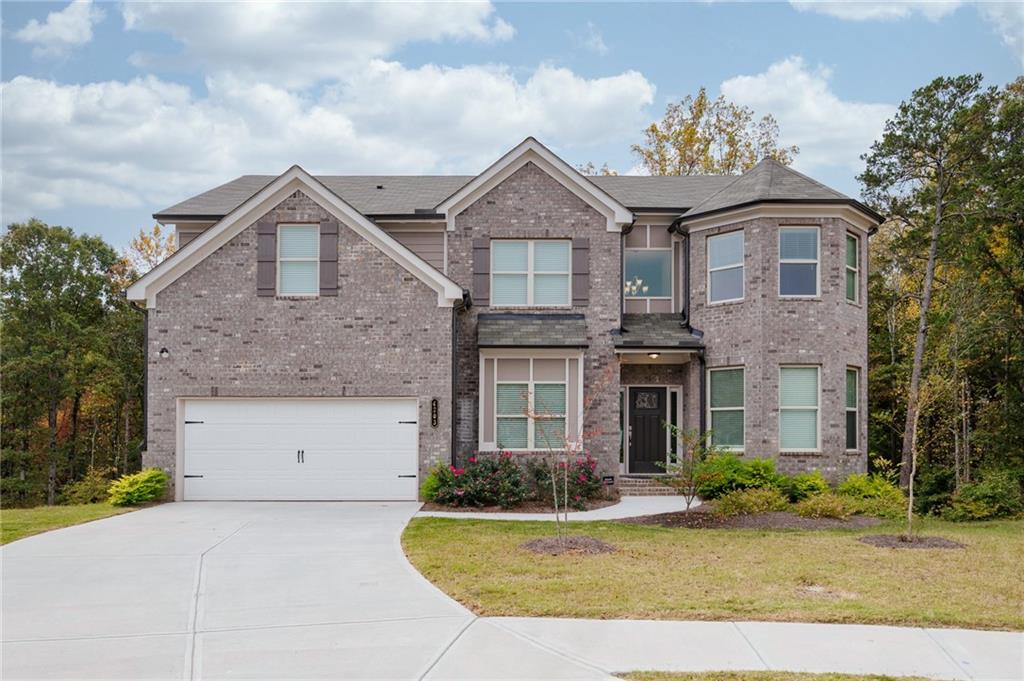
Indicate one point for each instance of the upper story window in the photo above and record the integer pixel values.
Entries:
(798, 408)
(298, 260)
(852, 268)
(648, 269)
(725, 267)
(531, 273)
(798, 261)
(725, 407)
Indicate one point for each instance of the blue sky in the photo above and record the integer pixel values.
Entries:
(114, 111)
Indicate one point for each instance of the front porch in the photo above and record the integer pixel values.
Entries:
(659, 376)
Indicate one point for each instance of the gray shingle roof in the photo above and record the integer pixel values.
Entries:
(508, 330)
(661, 331)
(769, 181)
(380, 195)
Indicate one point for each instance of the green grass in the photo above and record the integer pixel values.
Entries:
(758, 676)
(782, 575)
(18, 523)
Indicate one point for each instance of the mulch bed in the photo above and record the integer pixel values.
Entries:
(898, 541)
(577, 544)
(707, 519)
(528, 507)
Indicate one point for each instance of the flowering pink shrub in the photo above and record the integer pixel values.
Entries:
(583, 480)
(484, 481)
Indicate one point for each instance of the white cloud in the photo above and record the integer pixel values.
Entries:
(829, 131)
(855, 10)
(589, 38)
(62, 31)
(299, 43)
(1008, 20)
(148, 143)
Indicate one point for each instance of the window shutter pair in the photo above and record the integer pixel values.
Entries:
(266, 257)
(482, 271)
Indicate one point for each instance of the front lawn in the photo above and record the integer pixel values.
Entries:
(783, 575)
(759, 676)
(17, 523)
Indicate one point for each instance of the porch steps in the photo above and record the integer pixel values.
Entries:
(637, 486)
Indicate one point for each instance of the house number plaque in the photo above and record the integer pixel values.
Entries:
(433, 412)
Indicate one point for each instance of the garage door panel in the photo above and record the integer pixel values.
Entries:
(352, 449)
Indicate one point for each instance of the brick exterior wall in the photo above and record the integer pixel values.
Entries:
(763, 331)
(383, 335)
(531, 204)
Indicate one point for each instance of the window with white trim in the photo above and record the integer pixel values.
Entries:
(852, 268)
(852, 398)
(531, 273)
(298, 260)
(531, 403)
(725, 267)
(798, 408)
(725, 407)
(798, 261)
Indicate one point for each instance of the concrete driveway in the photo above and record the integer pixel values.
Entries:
(225, 590)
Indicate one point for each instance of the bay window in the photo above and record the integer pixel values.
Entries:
(798, 408)
(531, 273)
(725, 267)
(725, 404)
(798, 261)
(852, 397)
(852, 268)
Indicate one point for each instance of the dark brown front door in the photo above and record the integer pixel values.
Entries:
(647, 412)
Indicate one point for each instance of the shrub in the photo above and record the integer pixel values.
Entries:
(997, 495)
(726, 473)
(827, 505)
(90, 489)
(803, 485)
(751, 501)
(583, 481)
(484, 481)
(432, 483)
(138, 488)
(873, 495)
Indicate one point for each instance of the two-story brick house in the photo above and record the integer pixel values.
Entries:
(333, 337)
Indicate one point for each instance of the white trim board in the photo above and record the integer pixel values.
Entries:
(292, 180)
(768, 210)
(527, 151)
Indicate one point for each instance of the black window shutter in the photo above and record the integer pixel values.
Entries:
(266, 257)
(329, 257)
(482, 271)
(580, 271)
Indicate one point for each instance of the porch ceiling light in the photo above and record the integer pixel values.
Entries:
(164, 354)
(654, 355)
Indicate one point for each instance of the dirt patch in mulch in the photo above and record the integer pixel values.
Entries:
(898, 541)
(528, 507)
(578, 544)
(707, 519)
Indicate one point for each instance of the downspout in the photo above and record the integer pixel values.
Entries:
(685, 322)
(703, 392)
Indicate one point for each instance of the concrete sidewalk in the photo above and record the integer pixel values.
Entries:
(628, 507)
(599, 648)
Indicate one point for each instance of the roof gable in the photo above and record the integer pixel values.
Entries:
(532, 151)
(295, 178)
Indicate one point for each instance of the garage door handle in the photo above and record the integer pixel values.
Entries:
(407, 476)
(300, 456)
(191, 476)
(409, 422)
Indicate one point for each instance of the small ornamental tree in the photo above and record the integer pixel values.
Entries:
(685, 474)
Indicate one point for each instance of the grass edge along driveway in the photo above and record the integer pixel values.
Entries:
(687, 574)
(18, 523)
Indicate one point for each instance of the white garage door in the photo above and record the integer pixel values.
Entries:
(302, 449)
